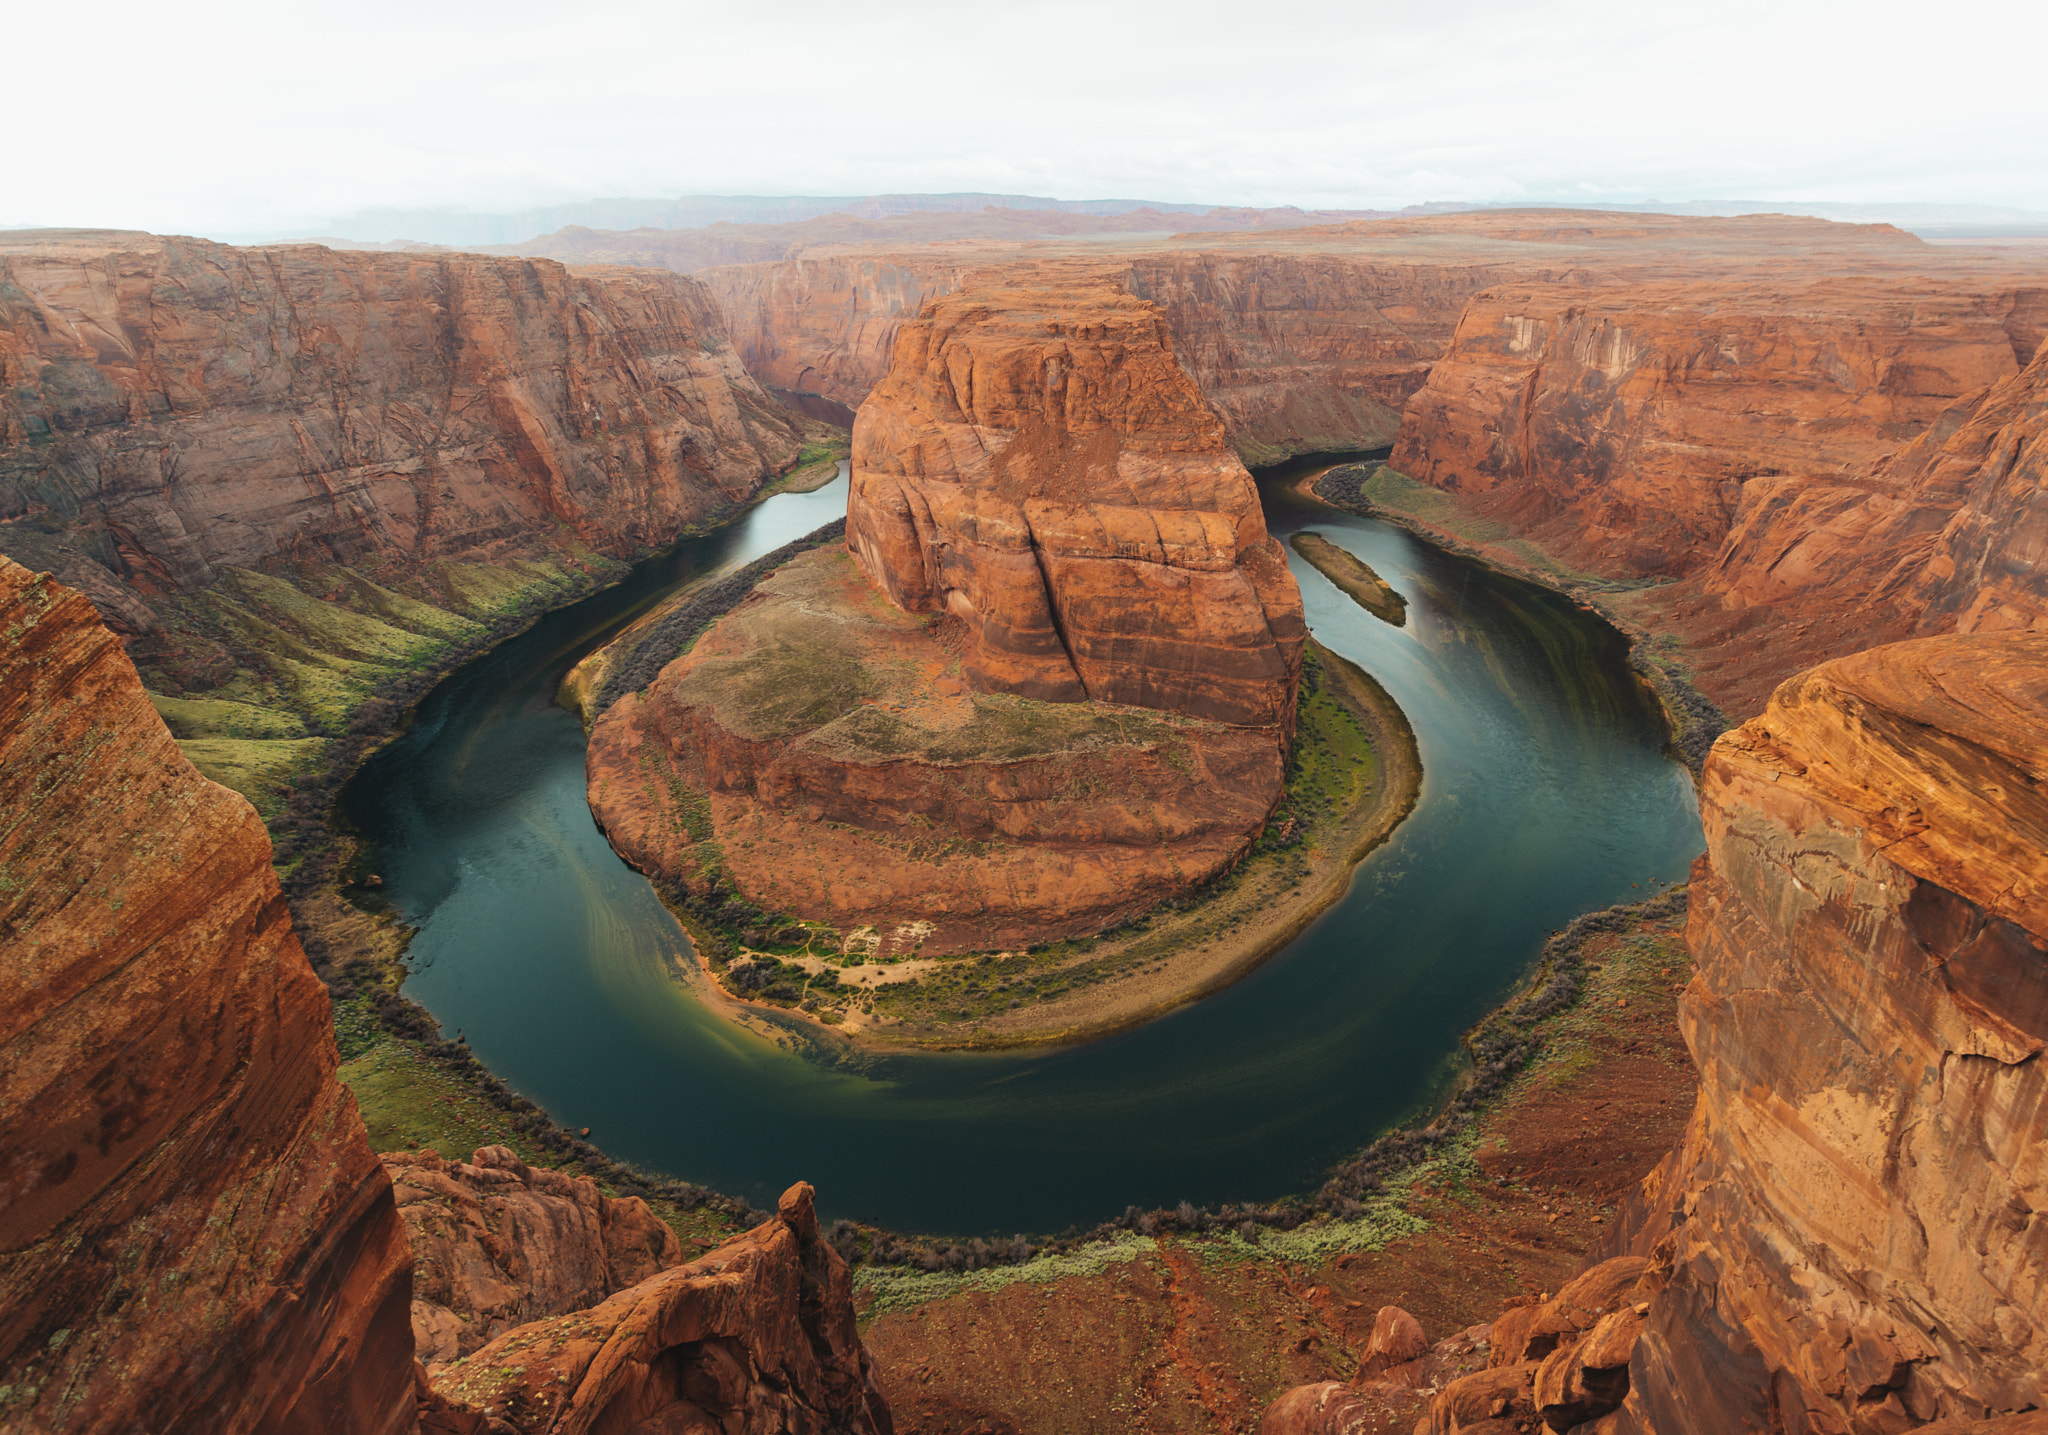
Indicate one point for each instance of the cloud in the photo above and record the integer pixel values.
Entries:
(240, 117)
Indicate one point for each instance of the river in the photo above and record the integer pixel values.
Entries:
(1546, 792)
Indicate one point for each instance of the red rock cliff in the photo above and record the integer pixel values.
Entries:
(1298, 352)
(197, 1236)
(173, 405)
(1629, 428)
(1851, 1237)
(1038, 465)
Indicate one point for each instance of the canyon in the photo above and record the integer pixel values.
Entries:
(294, 479)
(1049, 683)
(198, 1236)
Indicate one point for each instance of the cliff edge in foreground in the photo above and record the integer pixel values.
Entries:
(1850, 1228)
(1847, 1240)
(197, 1236)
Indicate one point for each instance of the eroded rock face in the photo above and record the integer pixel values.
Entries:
(1849, 1237)
(497, 1243)
(1629, 426)
(173, 406)
(1038, 466)
(758, 1335)
(197, 1236)
(1298, 351)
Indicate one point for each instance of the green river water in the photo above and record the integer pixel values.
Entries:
(1547, 791)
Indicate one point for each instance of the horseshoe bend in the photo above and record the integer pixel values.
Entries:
(1020, 738)
(1050, 683)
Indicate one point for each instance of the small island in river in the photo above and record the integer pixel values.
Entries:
(1355, 576)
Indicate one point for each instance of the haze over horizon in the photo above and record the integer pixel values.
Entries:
(234, 121)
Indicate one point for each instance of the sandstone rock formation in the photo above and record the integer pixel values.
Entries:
(197, 1236)
(1936, 538)
(1076, 700)
(1849, 1228)
(824, 752)
(496, 1243)
(1630, 427)
(170, 407)
(1299, 351)
(1038, 466)
(1312, 339)
(757, 1336)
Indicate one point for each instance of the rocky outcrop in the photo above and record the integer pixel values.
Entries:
(1076, 701)
(172, 407)
(496, 1243)
(1037, 466)
(1848, 1238)
(758, 1335)
(197, 1236)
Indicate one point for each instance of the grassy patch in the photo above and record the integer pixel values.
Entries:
(191, 718)
(262, 771)
(887, 1288)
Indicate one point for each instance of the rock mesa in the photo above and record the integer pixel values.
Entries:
(1052, 685)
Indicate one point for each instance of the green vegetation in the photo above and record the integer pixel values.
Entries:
(885, 1288)
(259, 676)
(817, 463)
(263, 772)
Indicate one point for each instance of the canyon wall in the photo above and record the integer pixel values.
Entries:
(197, 1235)
(1038, 466)
(1806, 466)
(170, 408)
(1299, 352)
(1630, 428)
(1850, 1231)
(1848, 1239)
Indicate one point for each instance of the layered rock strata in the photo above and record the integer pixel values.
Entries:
(197, 1236)
(1053, 684)
(1632, 428)
(1849, 1232)
(171, 408)
(758, 1335)
(1039, 467)
(496, 1243)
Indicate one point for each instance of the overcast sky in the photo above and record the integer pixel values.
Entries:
(237, 118)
